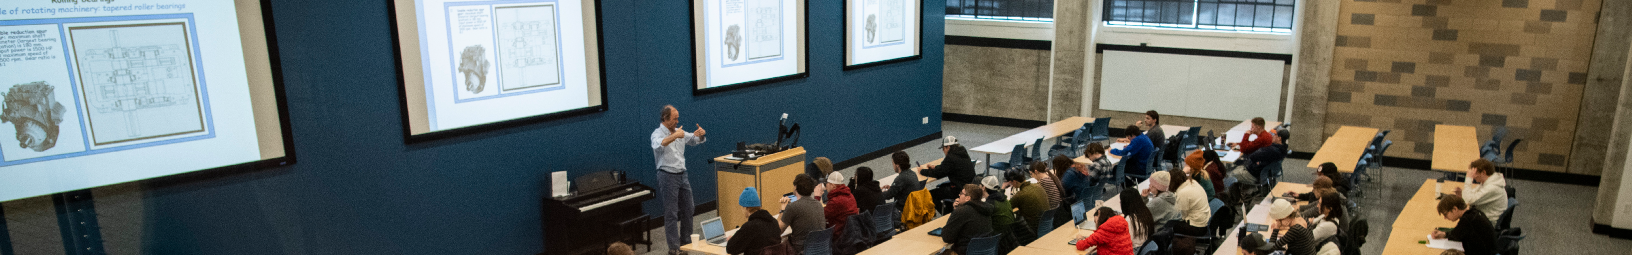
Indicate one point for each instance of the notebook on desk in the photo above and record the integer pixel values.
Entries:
(714, 232)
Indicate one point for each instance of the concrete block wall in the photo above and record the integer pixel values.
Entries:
(1519, 64)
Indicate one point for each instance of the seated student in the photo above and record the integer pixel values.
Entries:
(1298, 240)
(1322, 186)
(1257, 161)
(1474, 230)
(618, 248)
(1193, 168)
(1111, 236)
(1081, 179)
(804, 215)
(1160, 200)
(1029, 198)
(906, 180)
(1330, 219)
(956, 168)
(1329, 171)
(759, 232)
(1136, 153)
(866, 190)
(1002, 213)
(1039, 171)
(1153, 129)
(1254, 244)
(1140, 222)
(1192, 204)
(819, 168)
(1490, 195)
(840, 203)
(971, 218)
(1248, 145)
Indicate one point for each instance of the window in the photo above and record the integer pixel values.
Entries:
(1021, 10)
(1274, 16)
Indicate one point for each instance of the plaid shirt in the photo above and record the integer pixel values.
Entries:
(1102, 169)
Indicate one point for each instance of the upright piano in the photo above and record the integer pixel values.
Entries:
(586, 221)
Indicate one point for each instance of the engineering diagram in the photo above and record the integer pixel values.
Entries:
(750, 30)
(139, 81)
(886, 21)
(528, 46)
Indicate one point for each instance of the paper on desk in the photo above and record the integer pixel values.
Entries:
(1444, 244)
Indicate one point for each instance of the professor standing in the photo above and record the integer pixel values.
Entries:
(669, 148)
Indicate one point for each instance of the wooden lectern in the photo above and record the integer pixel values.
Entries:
(771, 174)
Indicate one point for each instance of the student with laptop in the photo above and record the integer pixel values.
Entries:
(759, 232)
(1111, 236)
(970, 218)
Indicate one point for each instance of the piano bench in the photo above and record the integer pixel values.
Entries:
(630, 227)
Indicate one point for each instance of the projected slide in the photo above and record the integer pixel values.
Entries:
(744, 41)
(104, 93)
(474, 63)
(881, 30)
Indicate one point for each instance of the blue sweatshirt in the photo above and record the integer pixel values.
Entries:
(1135, 154)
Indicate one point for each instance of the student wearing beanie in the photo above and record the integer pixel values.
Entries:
(759, 232)
(1160, 199)
(1297, 239)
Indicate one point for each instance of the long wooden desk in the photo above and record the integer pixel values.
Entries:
(1006, 145)
(1419, 218)
(921, 233)
(1258, 215)
(1027, 250)
(905, 247)
(1455, 147)
(1344, 148)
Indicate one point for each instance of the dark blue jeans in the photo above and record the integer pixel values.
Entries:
(675, 190)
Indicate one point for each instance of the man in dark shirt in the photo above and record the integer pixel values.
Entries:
(1257, 161)
(866, 190)
(956, 168)
(1153, 129)
(1473, 229)
(759, 232)
(971, 219)
(906, 181)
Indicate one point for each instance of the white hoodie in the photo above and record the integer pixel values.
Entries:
(1490, 197)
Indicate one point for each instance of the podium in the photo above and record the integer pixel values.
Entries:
(771, 174)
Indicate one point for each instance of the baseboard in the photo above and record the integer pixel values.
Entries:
(999, 42)
(1518, 173)
(1610, 231)
(886, 151)
(989, 120)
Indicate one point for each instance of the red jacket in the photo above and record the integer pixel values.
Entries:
(1248, 147)
(840, 205)
(1111, 237)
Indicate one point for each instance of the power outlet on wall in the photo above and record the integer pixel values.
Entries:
(926, 120)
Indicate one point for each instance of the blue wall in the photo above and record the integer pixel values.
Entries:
(358, 189)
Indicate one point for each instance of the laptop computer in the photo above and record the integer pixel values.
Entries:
(714, 232)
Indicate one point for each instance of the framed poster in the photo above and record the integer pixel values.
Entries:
(98, 94)
(474, 65)
(740, 43)
(879, 32)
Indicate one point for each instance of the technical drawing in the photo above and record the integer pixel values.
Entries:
(733, 41)
(474, 65)
(138, 81)
(529, 48)
(765, 30)
(34, 110)
(872, 27)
